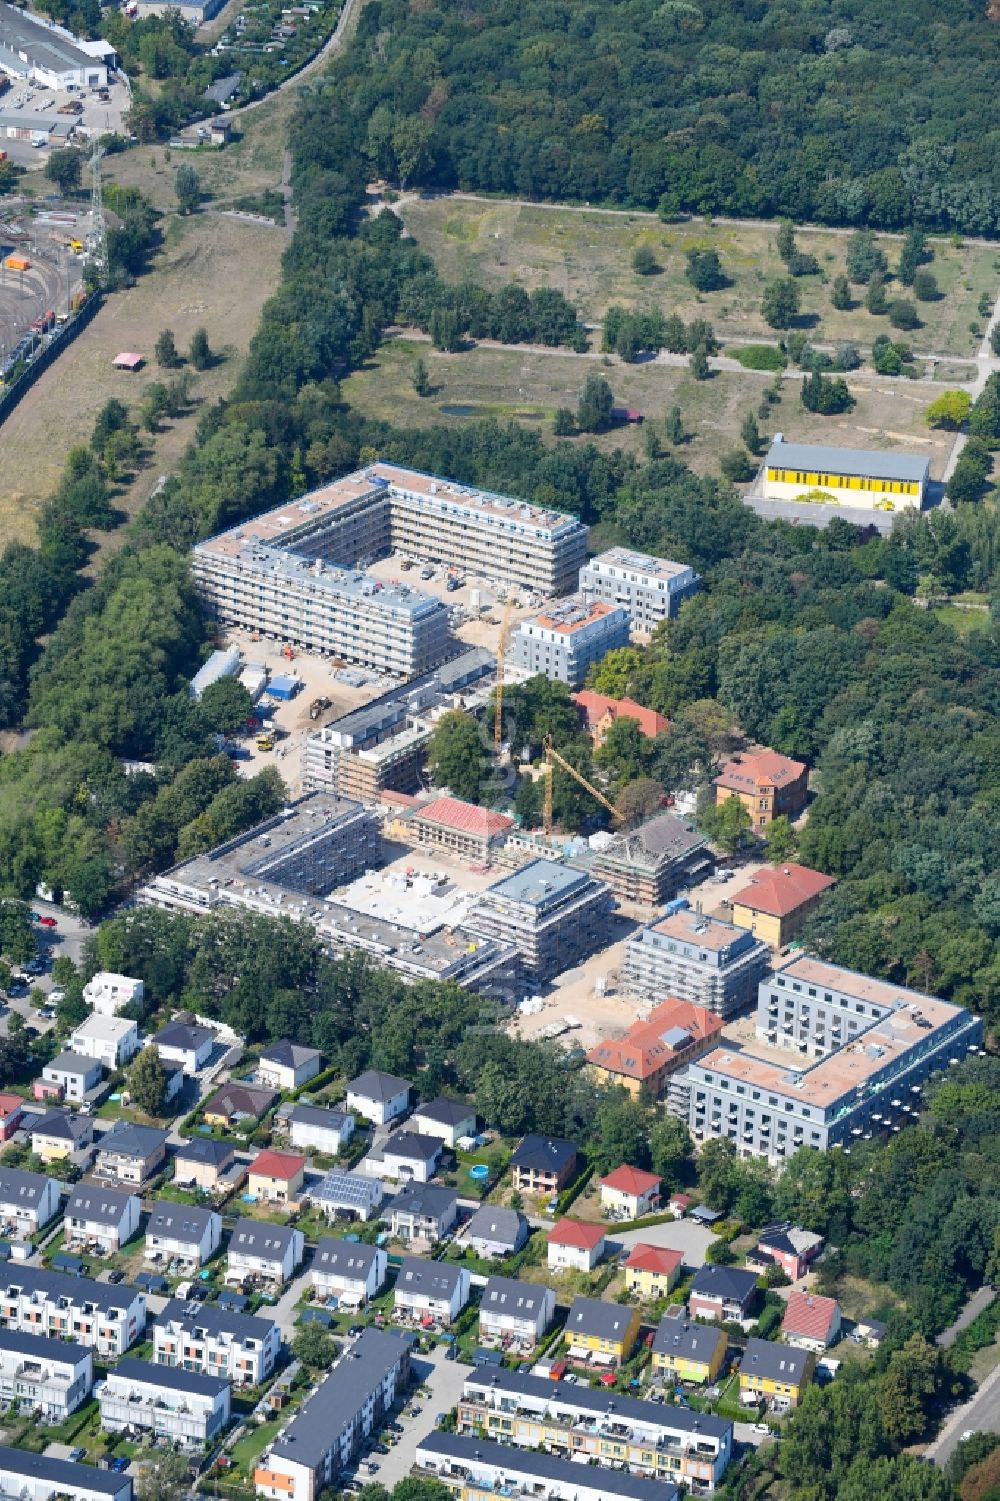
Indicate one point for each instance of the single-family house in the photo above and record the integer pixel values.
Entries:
(269, 1253)
(870, 1332)
(203, 1162)
(787, 1246)
(111, 1040)
(686, 1351)
(515, 1313)
(493, 1231)
(601, 1333)
(59, 1133)
(723, 1292)
(68, 1077)
(108, 993)
(447, 1119)
(544, 1164)
(378, 1097)
(652, 1271)
(679, 1204)
(422, 1212)
(775, 1374)
(103, 1219)
(312, 1128)
(27, 1201)
(237, 1106)
(811, 1322)
(575, 1245)
(408, 1157)
(186, 1043)
(348, 1270)
(183, 1232)
(131, 1154)
(288, 1065)
(277, 1177)
(11, 1113)
(628, 1193)
(430, 1292)
(348, 1196)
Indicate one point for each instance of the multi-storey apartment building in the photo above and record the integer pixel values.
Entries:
(44, 1374)
(859, 1052)
(668, 1443)
(476, 1469)
(331, 1426)
(650, 589)
(552, 914)
(35, 1477)
(107, 1319)
(696, 958)
(565, 640)
(650, 864)
(768, 785)
(164, 1400)
(214, 1341)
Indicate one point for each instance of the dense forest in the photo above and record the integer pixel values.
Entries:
(864, 113)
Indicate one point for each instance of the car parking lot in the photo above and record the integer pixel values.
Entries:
(444, 1380)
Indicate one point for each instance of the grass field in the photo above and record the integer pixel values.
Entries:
(212, 271)
(588, 256)
(528, 386)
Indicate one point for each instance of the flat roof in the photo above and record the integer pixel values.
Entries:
(865, 988)
(572, 615)
(871, 463)
(699, 929)
(173, 1377)
(539, 883)
(104, 1028)
(61, 1474)
(640, 562)
(49, 48)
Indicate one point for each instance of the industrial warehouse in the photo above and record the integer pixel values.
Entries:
(33, 50)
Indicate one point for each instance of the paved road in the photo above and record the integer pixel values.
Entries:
(979, 1300)
(980, 1415)
(284, 1312)
(445, 1379)
(691, 1239)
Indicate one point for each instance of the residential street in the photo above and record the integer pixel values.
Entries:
(445, 1379)
(981, 1415)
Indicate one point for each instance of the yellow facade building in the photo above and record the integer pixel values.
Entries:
(862, 478)
(778, 900)
(602, 1332)
(687, 1351)
(777, 1374)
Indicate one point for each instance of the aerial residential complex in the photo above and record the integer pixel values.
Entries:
(475, 1469)
(650, 589)
(866, 479)
(35, 1477)
(858, 1050)
(36, 1301)
(564, 640)
(696, 958)
(44, 1375)
(296, 573)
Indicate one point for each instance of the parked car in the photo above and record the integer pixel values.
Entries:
(380, 1448)
(75, 1455)
(116, 1276)
(371, 1467)
(121, 1464)
(47, 922)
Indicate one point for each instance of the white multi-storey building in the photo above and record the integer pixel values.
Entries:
(268, 1252)
(348, 1270)
(565, 640)
(43, 1374)
(108, 993)
(179, 1405)
(216, 1342)
(103, 1218)
(35, 1477)
(107, 1319)
(184, 1233)
(112, 1040)
(698, 959)
(476, 1468)
(650, 589)
(515, 1312)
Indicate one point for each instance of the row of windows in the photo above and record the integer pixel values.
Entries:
(844, 482)
(755, 1094)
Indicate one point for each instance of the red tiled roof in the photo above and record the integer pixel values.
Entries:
(277, 1165)
(466, 817)
(630, 1180)
(576, 1233)
(747, 772)
(809, 1315)
(782, 891)
(684, 1199)
(596, 705)
(10, 1104)
(642, 1051)
(646, 1258)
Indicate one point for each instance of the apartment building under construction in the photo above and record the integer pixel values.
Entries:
(648, 865)
(552, 914)
(696, 958)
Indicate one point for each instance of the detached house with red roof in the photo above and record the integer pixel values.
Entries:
(766, 783)
(652, 1271)
(671, 1035)
(276, 1177)
(11, 1110)
(811, 1322)
(600, 713)
(462, 828)
(628, 1193)
(777, 900)
(575, 1246)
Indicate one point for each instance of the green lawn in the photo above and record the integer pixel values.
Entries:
(247, 1449)
(963, 621)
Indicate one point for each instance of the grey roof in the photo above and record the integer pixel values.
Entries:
(412, 1145)
(318, 1115)
(346, 1190)
(105, 1206)
(60, 1474)
(60, 1123)
(728, 1282)
(41, 1347)
(183, 1035)
(598, 1402)
(132, 1141)
(592, 1316)
(223, 88)
(545, 1154)
(180, 1221)
(687, 1340)
(345, 1258)
(374, 1085)
(257, 1238)
(467, 1449)
(206, 1149)
(175, 1378)
(511, 1295)
(21, 1189)
(665, 835)
(539, 884)
(447, 1112)
(506, 1227)
(288, 1054)
(333, 1406)
(56, 1285)
(240, 1099)
(872, 463)
(433, 1279)
(774, 1362)
(214, 1320)
(72, 1063)
(24, 33)
(423, 1199)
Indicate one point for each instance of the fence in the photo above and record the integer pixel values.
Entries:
(12, 394)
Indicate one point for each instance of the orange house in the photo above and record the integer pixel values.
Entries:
(767, 784)
(600, 713)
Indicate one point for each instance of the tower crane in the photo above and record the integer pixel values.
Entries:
(498, 695)
(553, 756)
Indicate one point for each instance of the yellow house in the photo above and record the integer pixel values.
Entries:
(862, 478)
(652, 1271)
(777, 901)
(276, 1177)
(602, 1332)
(59, 1134)
(776, 1374)
(686, 1351)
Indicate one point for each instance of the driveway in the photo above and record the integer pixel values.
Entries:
(284, 1312)
(445, 1379)
(691, 1239)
